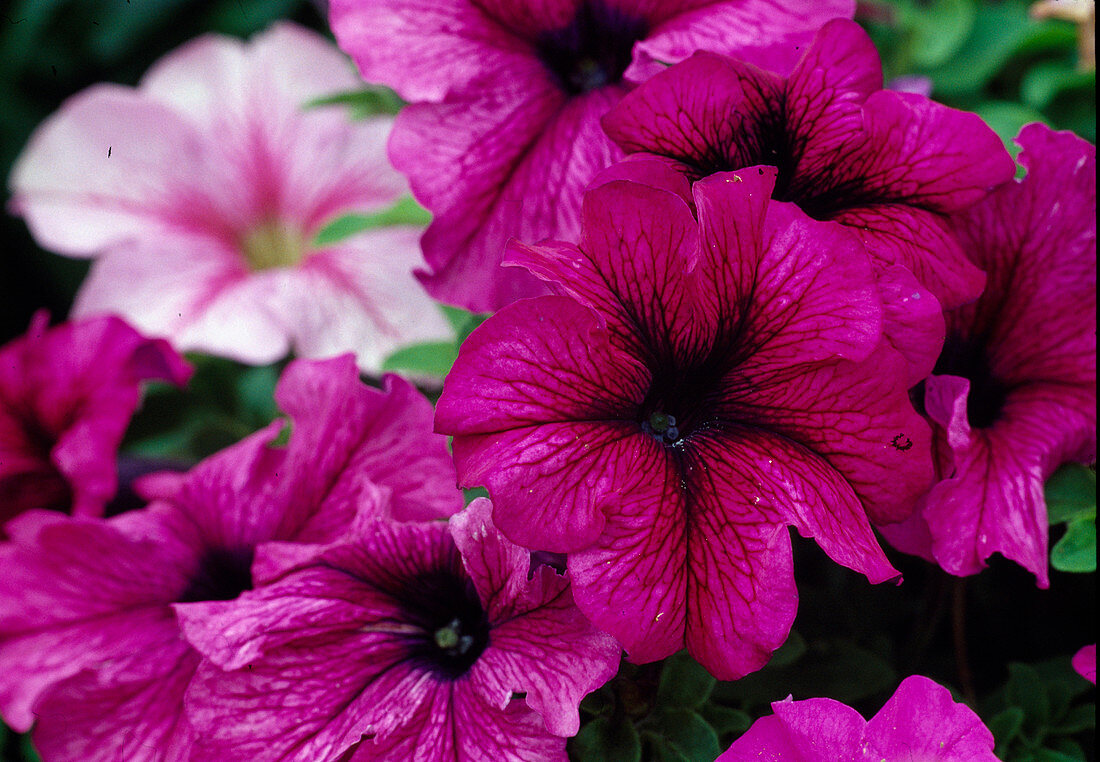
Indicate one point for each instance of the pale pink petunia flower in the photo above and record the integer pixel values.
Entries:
(920, 722)
(91, 653)
(1013, 394)
(66, 397)
(201, 191)
(421, 642)
(504, 130)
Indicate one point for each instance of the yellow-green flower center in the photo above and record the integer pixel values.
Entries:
(273, 244)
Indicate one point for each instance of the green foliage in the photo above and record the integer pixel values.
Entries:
(991, 58)
(405, 212)
(607, 739)
(434, 359)
(224, 402)
(1038, 713)
(363, 103)
(1071, 500)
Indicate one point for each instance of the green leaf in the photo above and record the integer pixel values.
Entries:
(405, 212)
(1071, 493)
(431, 359)
(30, 754)
(1050, 755)
(245, 17)
(683, 683)
(256, 395)
(791, 651)
(1076, 551)
(996, 32)
(939, 30)
(725, 721)
(836, 668)
(687, 733)
(1025, 690)
(607, 739)
(1069, 747)
(1079, 718)
(472, 494)
(363, 103)
(1043, 82)
(1006, 118)
(1006, 726)
(463, 321)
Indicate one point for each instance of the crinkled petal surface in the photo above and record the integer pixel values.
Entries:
(681, 403)
(66, 397)
(78, 593)
(509, 97)
(1012, 403)
(919, 722)
(922, 721)
(359, 628)
(887, 165)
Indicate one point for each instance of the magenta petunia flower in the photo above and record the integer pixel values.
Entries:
(66, 397)
(89, 642)
(889, 165)
(1084, 661)
(697, 388)
(414, 638)
(920, 722)
(200, 194)
(1013, 396)
(509, 134)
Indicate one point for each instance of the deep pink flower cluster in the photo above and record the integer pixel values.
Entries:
(747, 291)
(136, 636)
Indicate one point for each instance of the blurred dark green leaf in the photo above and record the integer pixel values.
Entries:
(1006, 726)
(727, 723)
(607, 739)
(1080, 717)
(684, 683)
(832, 667)
(939, 29)
(683, 735)
(997, 30)
(1025, 690)
(242, 17)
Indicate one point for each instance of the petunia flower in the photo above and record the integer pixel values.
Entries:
(1013, 396)
(1084, 661)
(200, 194)
(415, 639)
(505, 131)
(695, 389)
(920, 722)
(66, 397)
(888, 165)
(90, 649)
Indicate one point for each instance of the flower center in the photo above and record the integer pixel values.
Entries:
(968, 358)
(222, 574)
(662, 427)
(593, 49)
(451, 639)
(273, 244)
(451, 627)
